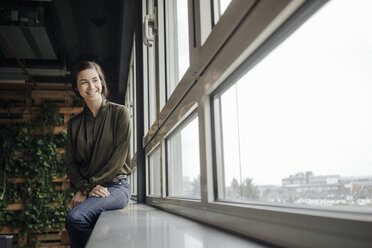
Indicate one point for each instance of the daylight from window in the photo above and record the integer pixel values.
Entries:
(183, 162)
(151, 77)
(223, 5)
(183, 38)
(219, 8)
(297, 127)
(154, 173)
(177, 42)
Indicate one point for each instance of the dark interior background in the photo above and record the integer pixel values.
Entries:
(49, 36)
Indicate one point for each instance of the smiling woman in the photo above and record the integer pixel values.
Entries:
(88, 71)
(89, 86)
(97, 154)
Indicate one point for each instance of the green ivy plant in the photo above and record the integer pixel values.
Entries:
(29, 151)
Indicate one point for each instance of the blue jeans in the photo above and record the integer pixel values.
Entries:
(81, 219)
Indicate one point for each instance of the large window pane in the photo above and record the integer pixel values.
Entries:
(296, 128)
(177, 42)
(183, 161)
(154, 173)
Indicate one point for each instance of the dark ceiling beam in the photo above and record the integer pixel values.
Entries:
(81, 15)
(101, 18)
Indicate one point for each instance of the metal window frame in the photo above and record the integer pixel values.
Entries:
(182, 123)
(148, 167)
(246, 33)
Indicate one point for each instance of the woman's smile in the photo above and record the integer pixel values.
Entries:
(89, 85)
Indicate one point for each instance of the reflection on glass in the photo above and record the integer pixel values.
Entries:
(154, 172)
(177, 42)
(183, 161)
(297, 128)
(191, 241)
(219, 8)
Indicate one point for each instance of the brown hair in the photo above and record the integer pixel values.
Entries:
(84, 65)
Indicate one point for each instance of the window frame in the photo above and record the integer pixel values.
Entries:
(149, 97)
(244, 35)
(130, 103)
(186, 119)
(190, 43)
(148, 174)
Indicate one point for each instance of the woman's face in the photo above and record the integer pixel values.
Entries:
(89, 85)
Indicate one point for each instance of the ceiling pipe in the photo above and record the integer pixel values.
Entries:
(18, 61)
(37, 72)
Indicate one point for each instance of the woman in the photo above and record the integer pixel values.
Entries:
(97, 154)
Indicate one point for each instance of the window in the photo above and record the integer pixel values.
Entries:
(262, 162)
(133, 181)
(131, 104)
(183, 161)
(151, 72)
(130, 100)
(154, 169)
(219, 7)
(177, 42)
(296, 128)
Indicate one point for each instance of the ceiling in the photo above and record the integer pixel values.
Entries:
(49, 36)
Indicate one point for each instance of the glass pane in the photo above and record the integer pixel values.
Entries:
(151, 65)
(297, 128)
(133, 181)
(151, 85)
(154, 172)
(219, 8)
(177, 42)
(183, 162)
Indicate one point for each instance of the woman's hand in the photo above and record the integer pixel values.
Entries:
(99, 191)
(77, 199)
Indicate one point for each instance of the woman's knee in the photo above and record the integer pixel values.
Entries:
(74, 218)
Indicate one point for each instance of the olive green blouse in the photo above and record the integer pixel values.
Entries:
(98, 148)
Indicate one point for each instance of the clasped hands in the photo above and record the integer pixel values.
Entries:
(97, 191)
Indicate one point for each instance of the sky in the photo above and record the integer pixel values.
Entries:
(183, 38)
(183, 35)
(307, 106)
